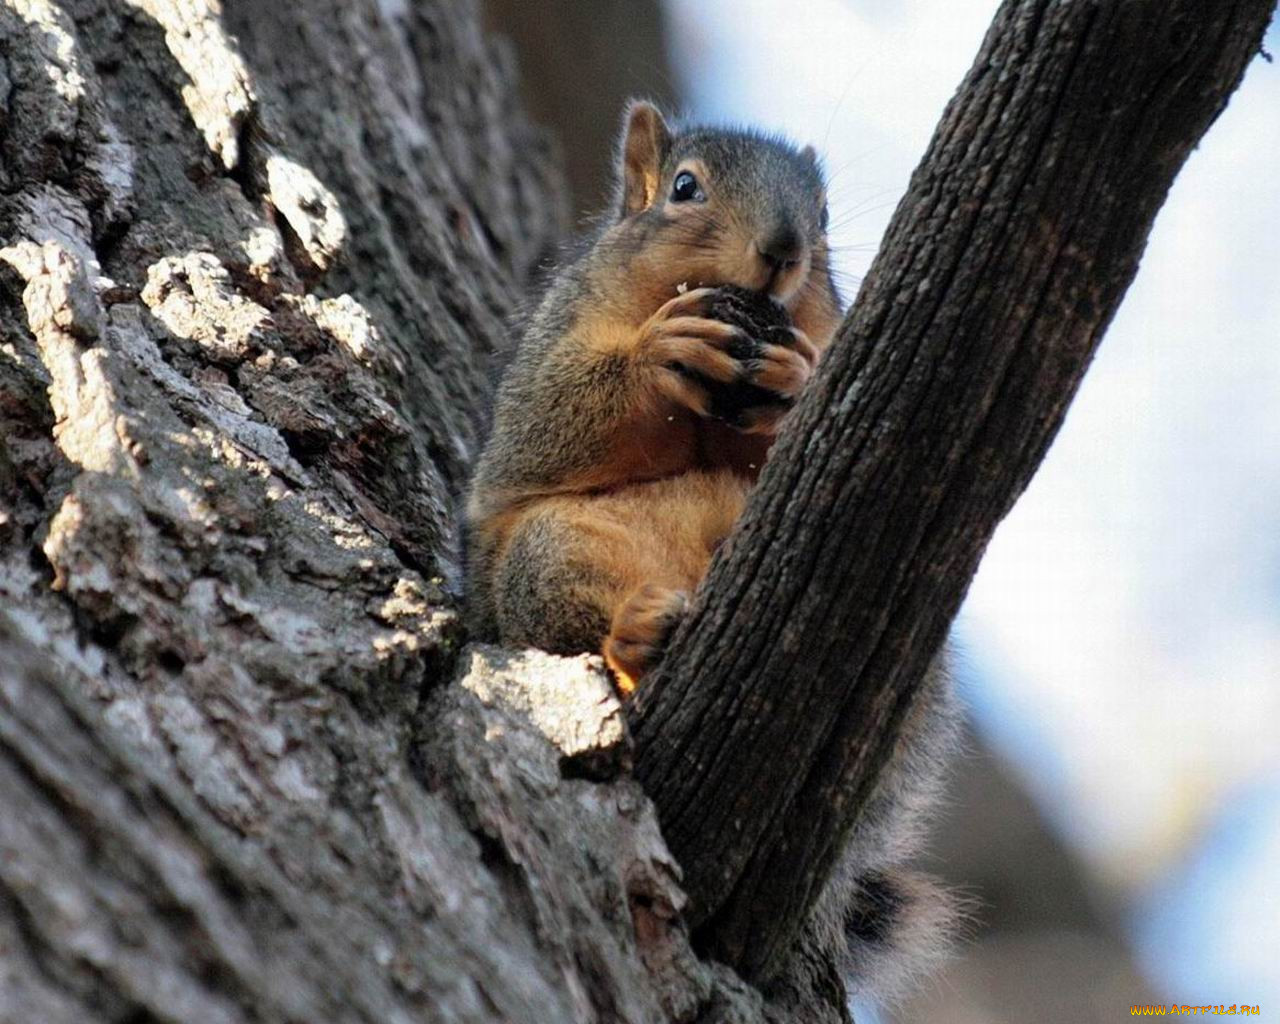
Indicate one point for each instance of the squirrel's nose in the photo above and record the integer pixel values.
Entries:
(781, 248)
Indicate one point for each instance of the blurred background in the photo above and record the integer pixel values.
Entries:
(1117, 817)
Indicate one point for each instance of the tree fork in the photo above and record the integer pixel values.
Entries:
(762, 733)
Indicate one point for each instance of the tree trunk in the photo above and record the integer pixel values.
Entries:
(999, 273)
(256, 264)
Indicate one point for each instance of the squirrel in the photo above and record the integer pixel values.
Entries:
(630, 424)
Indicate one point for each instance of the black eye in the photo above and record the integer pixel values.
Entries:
(685, 187)
(823, 217)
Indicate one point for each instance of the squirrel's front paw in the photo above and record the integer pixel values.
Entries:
(730, 355)
(696, 356)
(776, 375)
(642, 627)
(778, 356)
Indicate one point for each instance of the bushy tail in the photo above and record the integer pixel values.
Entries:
(899, 926)
(886, 924)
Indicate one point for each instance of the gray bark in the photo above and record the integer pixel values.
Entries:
(256, 264)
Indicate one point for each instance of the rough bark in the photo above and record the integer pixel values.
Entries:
(1001, 269)
(256, 263)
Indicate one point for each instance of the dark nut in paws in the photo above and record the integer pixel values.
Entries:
(764, 322)
(754, 312)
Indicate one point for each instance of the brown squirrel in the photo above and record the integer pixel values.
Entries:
(636, 414)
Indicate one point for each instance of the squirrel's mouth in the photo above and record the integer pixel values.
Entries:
(782, 281)
(784, 284)
(781, 284)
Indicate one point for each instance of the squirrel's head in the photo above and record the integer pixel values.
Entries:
(713, 206)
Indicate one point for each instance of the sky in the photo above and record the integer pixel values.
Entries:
(1123, 632)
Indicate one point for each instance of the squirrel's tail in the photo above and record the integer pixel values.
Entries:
(898, 927)
(887, 924)
(896, 923)
(871, 936)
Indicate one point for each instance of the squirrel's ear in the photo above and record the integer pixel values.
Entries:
(810, 154)
(645, 143)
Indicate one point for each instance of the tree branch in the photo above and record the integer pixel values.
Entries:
(763, 732)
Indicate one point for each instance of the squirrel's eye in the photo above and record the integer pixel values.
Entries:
(685, 187)
(823, 217)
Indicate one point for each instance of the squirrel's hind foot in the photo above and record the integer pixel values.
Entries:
(642, 627)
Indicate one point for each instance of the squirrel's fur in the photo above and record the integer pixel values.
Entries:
(602, 447)
(634, 418)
